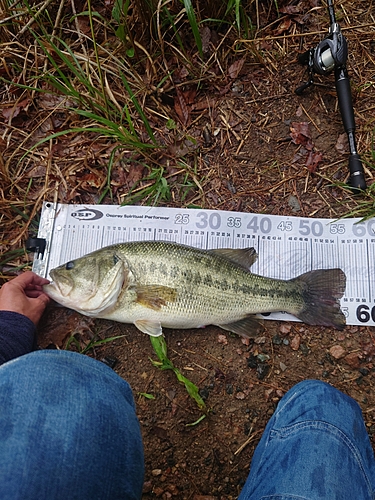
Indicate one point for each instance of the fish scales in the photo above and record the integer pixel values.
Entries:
(156, 284)
(199, 270)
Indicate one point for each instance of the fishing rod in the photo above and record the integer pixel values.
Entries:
(329, 55)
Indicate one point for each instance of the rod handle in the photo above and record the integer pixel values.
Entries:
(344, 95)
(357, 177)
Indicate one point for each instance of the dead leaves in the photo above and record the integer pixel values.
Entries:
(235, 68)
(301, 135)
(14, 110)
(185, 99)
(342, 144)
(182, 104)
(59, 324)
(294, 14)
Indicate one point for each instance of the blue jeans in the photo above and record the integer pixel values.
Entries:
(315, 447)
(68, 430)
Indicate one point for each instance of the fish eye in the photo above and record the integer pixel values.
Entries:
(69, 265)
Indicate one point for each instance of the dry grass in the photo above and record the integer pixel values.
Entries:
(121, 110)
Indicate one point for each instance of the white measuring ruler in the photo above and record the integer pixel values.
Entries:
(286, 246)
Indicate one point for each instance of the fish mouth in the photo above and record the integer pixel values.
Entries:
(60, 285)
(50, 289)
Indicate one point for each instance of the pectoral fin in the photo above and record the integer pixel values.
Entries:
(245, 257)
(152, 328)
(248, 327)
(155, 296)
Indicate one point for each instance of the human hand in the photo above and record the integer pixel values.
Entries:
(25, 295)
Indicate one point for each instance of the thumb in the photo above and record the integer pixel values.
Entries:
(43, 299)
(38, 306)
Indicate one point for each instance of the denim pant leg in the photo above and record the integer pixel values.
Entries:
(315, 447)
(68, 430)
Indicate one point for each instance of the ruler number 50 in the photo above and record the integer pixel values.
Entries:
(314, 227)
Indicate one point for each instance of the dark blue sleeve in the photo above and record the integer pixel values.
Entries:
(17, 335)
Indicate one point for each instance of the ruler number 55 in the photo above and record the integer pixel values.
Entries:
(337, 228)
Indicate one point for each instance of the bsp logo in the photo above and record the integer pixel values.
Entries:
(87, 214)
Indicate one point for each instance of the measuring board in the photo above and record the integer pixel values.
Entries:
(286, 246)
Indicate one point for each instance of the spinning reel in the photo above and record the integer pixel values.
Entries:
(329, 55)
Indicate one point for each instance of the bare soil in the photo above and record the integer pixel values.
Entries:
(252, 157)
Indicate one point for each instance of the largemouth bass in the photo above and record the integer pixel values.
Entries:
(156, 284)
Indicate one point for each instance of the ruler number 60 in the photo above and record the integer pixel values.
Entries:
(364, 314)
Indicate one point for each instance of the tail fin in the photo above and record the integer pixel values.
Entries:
(322, 290)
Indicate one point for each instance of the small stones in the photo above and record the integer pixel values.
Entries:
(240, 395)
(285, 328)
(337, 351)
(229, 389)
(283, 366)
(262, 370)
(263, 357)
(204, 393)
(295, 342)
(294, 203)
(304, 349)
(222, 339)
(277, 340)
(364, 371)
(352, 360)
(252, 361)
(156, 472)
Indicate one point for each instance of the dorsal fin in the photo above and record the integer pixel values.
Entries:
(245, 257)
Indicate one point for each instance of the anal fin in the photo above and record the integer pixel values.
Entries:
(152, 328)
(248, 327)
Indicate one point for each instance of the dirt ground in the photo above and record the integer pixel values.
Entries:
(256, 153)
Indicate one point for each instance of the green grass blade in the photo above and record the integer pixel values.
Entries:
(191, 388)
(237, 11)
(11, 255)
(193, 424)
(171, 22)
(127, 140)
(138, 108)
(146, 395)
(194, 26)
(160, 347)
(97, 343)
